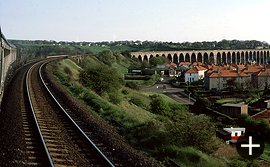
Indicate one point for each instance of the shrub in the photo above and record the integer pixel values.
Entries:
(101, 79)
(196, 131)
(107, 57)
(237, 163)
(158, 105)
(77, 90)
(68, 71)
(115, 98)
(136, 101)
(153, 79)
(132, 85)
(125, 91)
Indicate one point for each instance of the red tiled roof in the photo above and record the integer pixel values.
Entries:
(196, 63)
(171, 64)
(210, 71)
(255, 66)
(192, 71)
(200, 68)
(228, 73)
(264, 73)
(184, 63)
(239, 66)
(251, 70)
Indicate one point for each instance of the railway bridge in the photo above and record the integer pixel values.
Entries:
(244, 56)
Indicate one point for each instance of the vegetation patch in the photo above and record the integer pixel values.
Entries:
(151, 122)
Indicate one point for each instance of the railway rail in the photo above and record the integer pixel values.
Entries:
(64, 143)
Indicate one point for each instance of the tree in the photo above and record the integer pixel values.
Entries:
(157, 60)
(201, 104)
(101, 79)
(196, 131)
(107, 57)
(158, 105)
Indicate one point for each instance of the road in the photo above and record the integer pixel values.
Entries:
(174, 93)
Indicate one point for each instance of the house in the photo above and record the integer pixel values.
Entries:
(266, 104)
(194, 74)
(235, 133)
(230, 135)
(238, 67)
(172, 69)
(261, 79)
(234, 110)
(224, 78)
(201, 70)
(251, 70)
(191, 75)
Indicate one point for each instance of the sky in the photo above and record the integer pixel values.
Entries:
(152, 20)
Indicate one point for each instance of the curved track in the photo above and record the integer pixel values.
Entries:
(64, 143)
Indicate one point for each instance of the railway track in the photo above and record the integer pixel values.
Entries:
(52, 137)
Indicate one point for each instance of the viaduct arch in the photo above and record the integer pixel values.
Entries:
(260, 56)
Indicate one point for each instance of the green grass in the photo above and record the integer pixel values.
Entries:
(72, 66)
(91, 61)
(125, 113)
(191, 157)
(166, 98)
(229, 100)
(120, 68)
(121, 48)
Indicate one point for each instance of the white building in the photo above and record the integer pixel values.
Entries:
(235, 134)
(195, 74)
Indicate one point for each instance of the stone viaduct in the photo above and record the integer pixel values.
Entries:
(260, 56)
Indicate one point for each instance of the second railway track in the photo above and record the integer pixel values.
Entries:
(64, 142)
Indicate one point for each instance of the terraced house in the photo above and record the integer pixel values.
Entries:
(256, 76)
(261, 79)
(224, 78)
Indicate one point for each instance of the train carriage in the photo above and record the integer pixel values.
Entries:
(8, 56)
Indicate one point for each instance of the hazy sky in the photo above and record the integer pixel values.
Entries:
(161, 20)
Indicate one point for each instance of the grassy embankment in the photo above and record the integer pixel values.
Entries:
(142, 128)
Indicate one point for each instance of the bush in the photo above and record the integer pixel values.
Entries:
(68, 71)
(136, 101)
(125, 91)
(107, 57)
(132, 85)
(188, 154)
(115, 98)
(77, 90)
(195, 131)
(101, 79)
(158, 105)
(149, 135)
(157, 60)
(153, 79)
(95, 102)
(237, 163)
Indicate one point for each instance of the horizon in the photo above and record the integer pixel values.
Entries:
(161, 21)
